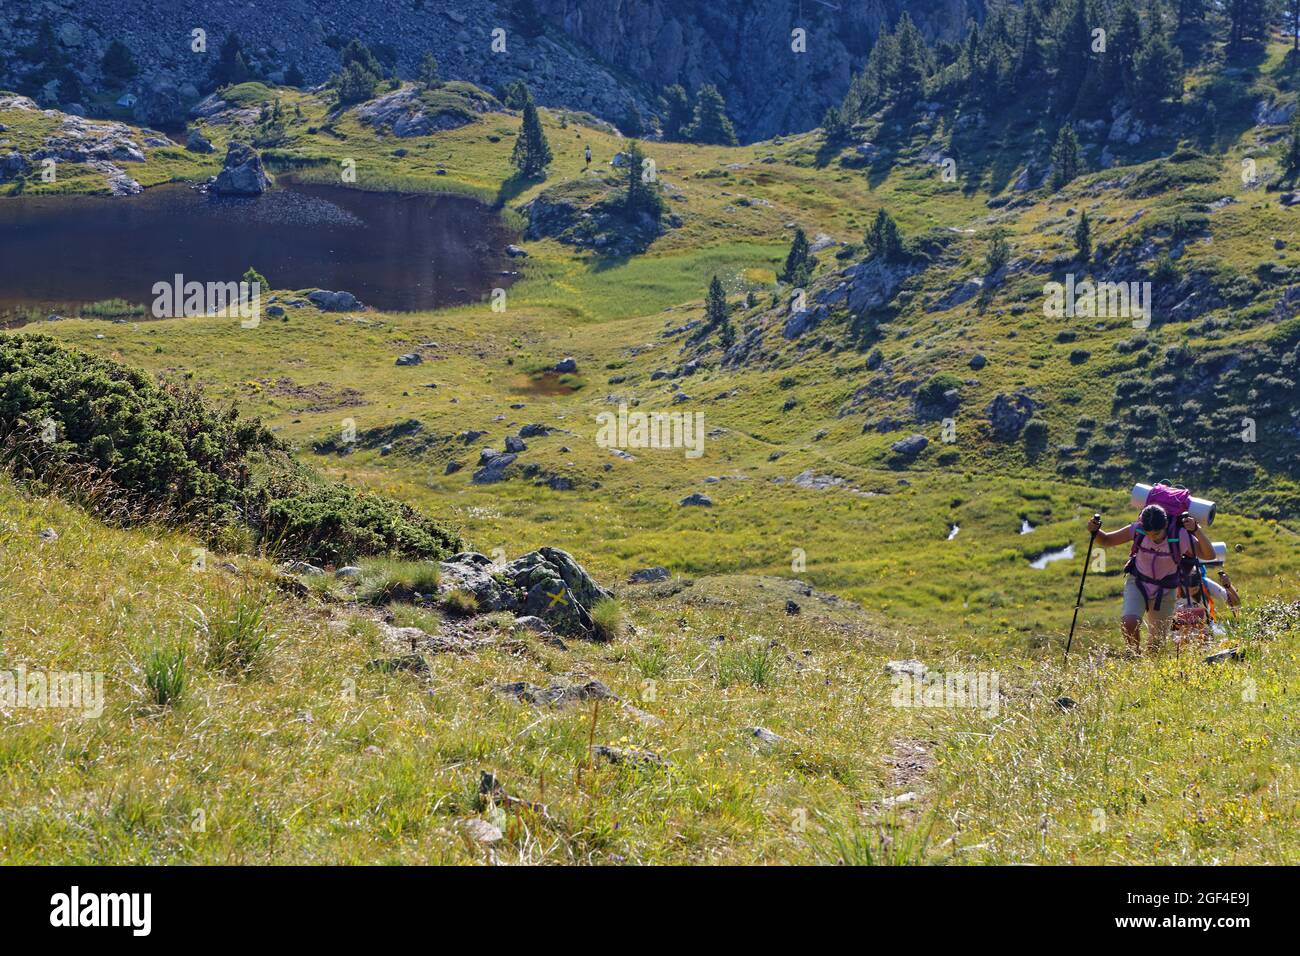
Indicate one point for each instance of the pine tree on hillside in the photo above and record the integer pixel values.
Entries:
(354, 84)
(516, 95)
(1248, 20)
(834, 129)
(1073, 56)
(711, 124)
(1030, 61)
(1083, 238)
(45, 50)
(1159, 73)
(633, 122)
(358, 53)
(798, 262)
(999, 251)
(293, 76)
(1066, 159)
(1293, 25)
(118, 64)
(531, 154)
(677, 112)
(715, 306)
(428, 75)
(913, 61)
(884, 240)
(1291, 159)
(642, 194)
(1190, 11)
(230, 62)
(1123, 42)
(872, 88)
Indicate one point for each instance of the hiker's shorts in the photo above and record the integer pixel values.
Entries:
(1135, 604)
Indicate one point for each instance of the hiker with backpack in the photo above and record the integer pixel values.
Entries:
(1167, 542)
(1200, 601)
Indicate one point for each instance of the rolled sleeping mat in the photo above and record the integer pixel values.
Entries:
(1220, 553)
(1201, 509)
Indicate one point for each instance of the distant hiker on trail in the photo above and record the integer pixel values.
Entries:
(587, 152)
(1153, 573)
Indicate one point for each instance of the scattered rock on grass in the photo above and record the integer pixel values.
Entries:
(619, 756)
(1222, 657)
(557, 694)
(913, 667)
(647, 575)
(482, 831)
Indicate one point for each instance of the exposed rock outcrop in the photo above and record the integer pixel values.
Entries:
(546, 584)
(241, 173)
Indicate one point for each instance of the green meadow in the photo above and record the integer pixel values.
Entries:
(310, 754)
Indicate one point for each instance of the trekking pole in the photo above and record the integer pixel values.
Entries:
(1078, 598)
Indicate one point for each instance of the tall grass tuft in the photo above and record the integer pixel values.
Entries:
(389, 580)
(853, 844)
(752, 662)
(460, 603)
(651, 660)
(236, 633)
(607, 619)
(164, 675)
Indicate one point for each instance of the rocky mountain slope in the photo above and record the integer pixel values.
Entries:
(595, 56)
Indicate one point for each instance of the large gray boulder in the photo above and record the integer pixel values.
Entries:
(547, 584)
(873, 283)
(328, 301)
(159, 104)
(196, 142)
(911, 446)
(13, 165)
(241, 173)
(1008, 415)
(494, 467)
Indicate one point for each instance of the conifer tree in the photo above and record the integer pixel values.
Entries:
(711, 124)
(531, 154)
(677, 112)
(1066, 159)
(884, 240)
(429, 76)
(1083, 238)
(798, 262)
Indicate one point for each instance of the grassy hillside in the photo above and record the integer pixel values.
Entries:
(316, 754)
(313, 755)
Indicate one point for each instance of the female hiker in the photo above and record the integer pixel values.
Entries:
(1198, 610)
(1153, 574)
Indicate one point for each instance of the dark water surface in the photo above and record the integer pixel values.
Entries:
(391, 251)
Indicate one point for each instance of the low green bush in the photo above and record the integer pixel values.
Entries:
(142, 448)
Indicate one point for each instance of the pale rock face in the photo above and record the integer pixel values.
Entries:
(739, 45)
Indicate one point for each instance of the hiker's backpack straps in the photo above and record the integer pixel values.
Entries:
(1168, 583)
